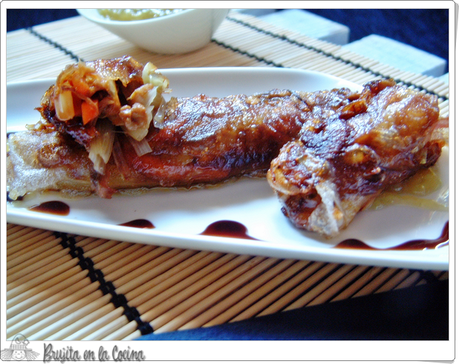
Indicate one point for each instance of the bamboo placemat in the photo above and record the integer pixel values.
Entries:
(66, 287)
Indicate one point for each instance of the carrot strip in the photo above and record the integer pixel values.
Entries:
(89, 111)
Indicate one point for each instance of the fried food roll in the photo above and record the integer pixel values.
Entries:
(107, 127)
(350, 149)
(132, 138)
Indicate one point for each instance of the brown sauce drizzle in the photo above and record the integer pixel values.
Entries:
(52, 207)
(233, 229)
(139, 223)
(227, 229)
(420, 244)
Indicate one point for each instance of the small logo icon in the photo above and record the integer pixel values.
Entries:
(18, 350)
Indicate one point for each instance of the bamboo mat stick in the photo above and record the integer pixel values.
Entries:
(94, 46)
(50, 305)
(21, 230)
(236, 35)
(367, 275)
(187, 288)
(364, 78)
(332, 285)
(421, 281)
(259, 45)
(21, 239)
(98, 304)
(59, 319)
(59, 257)
(82, 241)
(94, 247)
(89, 33)
(112, 326)
(76, 286)
(431, 83)
(412, 77)
(383, 69)
(442, 89)
(52, 62)
(200, 58)
(87, 243)
(410, 281)
(393, 281)
(171, 319)
(444, 106)
(43, 281)
(270, 292)
(13, 229)
(344, 70)
(174, 285)
(145, 265)
(95, 321)
(36, 261)
(376, 282)
(320, 287)
(442, 275)
(183, 321)
(28, 242)
(319, 64)
(110, 264)
(235, 60)
(33, 250)
(106, 251)
(44, 58)
(153, 272)
(152, 257)
(218, 57)
(180, 269)
(26, 291)
(313, 273)
(153, 287)
(122, 323)
(89, 323)
(353, 57)
(176, 293)
(308, 58)
(340, 69)
(66, 318)
(239, 295)
(119, 330)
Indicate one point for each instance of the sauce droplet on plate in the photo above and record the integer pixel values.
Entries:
(227, 229)
(139, 223)
(52, 207)
(419, 244)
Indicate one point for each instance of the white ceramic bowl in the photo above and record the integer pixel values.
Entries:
(182, 32)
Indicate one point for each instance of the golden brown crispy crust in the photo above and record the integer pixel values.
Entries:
(328, 153)
(202, 140)
(350, 150)
(206, 140)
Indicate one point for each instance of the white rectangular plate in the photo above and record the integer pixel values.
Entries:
(179, 216)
